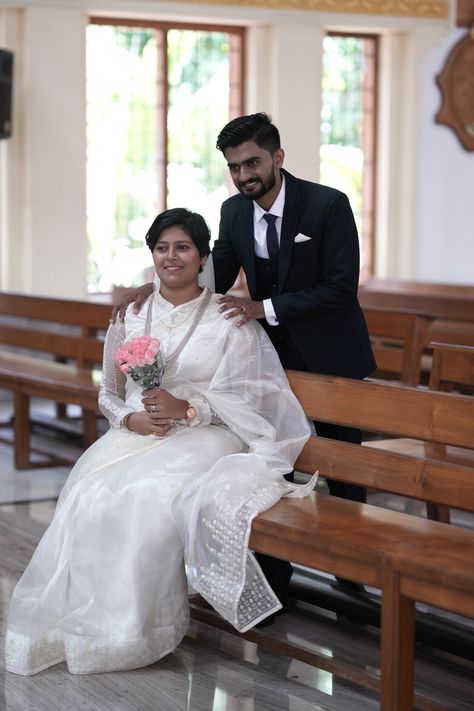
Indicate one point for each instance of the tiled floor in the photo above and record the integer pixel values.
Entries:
(35, 484)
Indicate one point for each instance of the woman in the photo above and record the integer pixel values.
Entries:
(172, 487)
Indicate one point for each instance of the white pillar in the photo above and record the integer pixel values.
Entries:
(284, 71)
(55, 244)
(398, 150)
(12, 161)
(258, 59)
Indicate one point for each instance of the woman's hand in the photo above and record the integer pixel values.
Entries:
(161, 404)
(146, 424)
(161, 411)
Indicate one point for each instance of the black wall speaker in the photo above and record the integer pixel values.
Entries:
(6, 85)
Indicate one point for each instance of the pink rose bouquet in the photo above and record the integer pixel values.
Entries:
(142, 359)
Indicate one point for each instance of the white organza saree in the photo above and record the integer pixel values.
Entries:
(141, 517)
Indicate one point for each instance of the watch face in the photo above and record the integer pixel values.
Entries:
(191, 413)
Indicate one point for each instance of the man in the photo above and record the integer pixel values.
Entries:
(306, 293)
(304, 288)
(298, 246)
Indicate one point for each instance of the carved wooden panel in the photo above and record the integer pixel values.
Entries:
(465, 13)
(438, 9)
(456, 82)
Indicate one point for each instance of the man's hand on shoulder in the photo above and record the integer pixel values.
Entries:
(137, 296)
(245, 309)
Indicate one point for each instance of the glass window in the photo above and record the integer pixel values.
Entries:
(198, 107)
(157, 96)
(348, 129)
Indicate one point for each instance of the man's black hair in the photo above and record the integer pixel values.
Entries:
(254, 127)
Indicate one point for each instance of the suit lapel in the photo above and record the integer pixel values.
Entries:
(288, 228)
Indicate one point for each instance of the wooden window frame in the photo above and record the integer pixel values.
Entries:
(369, 147)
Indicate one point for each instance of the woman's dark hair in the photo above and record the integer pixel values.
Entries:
(254, 127)
(192, 223)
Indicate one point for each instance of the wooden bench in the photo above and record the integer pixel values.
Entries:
(452, 369)
(398, 338)
(67, 339)
(410, 286)
(410, 559)
(452, 310)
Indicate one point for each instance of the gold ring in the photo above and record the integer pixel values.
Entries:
(243, 309)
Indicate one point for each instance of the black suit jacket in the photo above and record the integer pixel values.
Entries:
(316, 297)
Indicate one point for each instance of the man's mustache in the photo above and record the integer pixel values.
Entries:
(253, 180)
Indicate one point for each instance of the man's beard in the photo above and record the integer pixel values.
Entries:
(259, 192)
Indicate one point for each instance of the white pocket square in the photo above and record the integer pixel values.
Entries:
(301, 237)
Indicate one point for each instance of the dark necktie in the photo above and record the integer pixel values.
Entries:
(272, 237)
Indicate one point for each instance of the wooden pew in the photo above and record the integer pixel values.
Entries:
(452, 309)
(66, 337)
(452, 368)
(410, 286)
(398, 338)
(449, 308)
(409, 558)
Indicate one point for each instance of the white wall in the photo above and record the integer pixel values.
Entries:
(12, 184)
(445, 185)
(44, 248)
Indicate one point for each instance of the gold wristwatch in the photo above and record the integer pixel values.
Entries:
(190, 411)
(124, 421)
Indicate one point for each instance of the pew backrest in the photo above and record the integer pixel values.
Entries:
(389, 409)
(398, 338)
(62, 328)
(408, 286)
(452, 368)
(451, 307)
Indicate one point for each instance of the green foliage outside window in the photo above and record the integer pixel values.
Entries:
(198, 76)
(341, 159)
(342, 91)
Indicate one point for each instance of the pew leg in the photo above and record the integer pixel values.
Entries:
(21, 430)
(438, 512)
(61, 411)
(397, 646)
